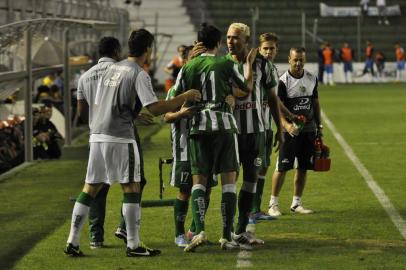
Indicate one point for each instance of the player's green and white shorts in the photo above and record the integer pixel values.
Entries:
(181, 177)
(213, 153)
(252, 154)
(113, 162)
(268, 148)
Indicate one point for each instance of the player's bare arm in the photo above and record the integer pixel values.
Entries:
(184, 112)
(164, 106)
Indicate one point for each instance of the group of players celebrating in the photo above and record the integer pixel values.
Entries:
(220, 110)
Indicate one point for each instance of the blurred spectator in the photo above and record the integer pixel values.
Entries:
(381, 5)
(347, 56)
(56, 97)
(380, 63)
(46, 138)
(364, 7)
(43, 93)
(321, 62)
(59, 81)
(11, 144)
(369, 59)
(328, 58)
(174, 67)
(400, 61)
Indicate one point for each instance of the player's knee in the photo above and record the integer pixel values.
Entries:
(133, 187)
(92, 189)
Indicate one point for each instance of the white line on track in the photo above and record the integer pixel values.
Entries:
(243, 259)
(376, 189)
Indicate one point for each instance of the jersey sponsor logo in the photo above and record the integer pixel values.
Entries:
(245, 106)
(304, 104)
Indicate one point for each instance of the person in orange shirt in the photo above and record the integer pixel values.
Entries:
(400, 61)
(347, 56)
(174, 67)
(328, 56)
(369, 59)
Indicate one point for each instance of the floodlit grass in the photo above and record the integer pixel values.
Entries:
(350, 229)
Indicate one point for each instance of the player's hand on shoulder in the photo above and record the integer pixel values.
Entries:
(230, 100)
(197, 50)
(193, 95)
(187, 111)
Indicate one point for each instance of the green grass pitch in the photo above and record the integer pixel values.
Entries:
(349, 230)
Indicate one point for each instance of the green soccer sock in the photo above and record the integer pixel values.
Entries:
(97, 214)
(180, 211)
(244, 207)
(192, 225)
(198, 206)
(256, 204)
(228, 204)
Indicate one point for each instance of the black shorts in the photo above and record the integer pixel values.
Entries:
(300, 147)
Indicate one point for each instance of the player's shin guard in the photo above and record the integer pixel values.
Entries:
(245, 198)
(180, 211)
(228, 205)
(132, 217)
(198, 206)
(256, 204)
(79, 215)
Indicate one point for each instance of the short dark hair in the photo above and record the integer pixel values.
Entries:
(109, 46)
(209, 35)
(268, 37)
(297, 49)
(138, 43)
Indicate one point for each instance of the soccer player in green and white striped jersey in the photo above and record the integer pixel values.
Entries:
(213, 146)
(268, 48)
(250, 119)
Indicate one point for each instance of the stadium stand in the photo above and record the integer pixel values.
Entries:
(284, 18)
(173, 25)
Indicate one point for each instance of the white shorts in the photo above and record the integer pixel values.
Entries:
(113, 162)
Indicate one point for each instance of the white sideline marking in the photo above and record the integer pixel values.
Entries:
(243, 259)
(376, 189)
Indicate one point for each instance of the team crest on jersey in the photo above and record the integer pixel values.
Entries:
(258, 162)
(302, 89)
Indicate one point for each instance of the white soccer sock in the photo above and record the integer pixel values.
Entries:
(296, 201)
(330, 78)
(79, 215)
(273, 201)
(349, 76)
(132, 217)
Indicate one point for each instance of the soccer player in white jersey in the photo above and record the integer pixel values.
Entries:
(122, 91)
(298, 91)
(109, 52)
(250, 119)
